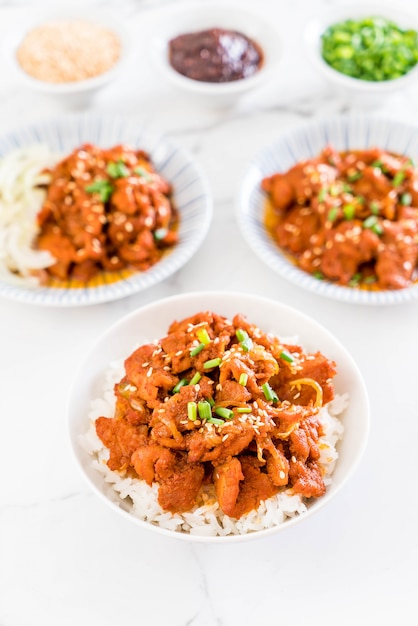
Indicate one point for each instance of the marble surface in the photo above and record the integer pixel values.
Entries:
(65, 558)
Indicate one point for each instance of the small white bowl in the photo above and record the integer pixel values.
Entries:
(187, 18)
(353, 90)
(151, 322)
(76, 93)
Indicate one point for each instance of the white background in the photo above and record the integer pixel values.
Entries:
(66, 559)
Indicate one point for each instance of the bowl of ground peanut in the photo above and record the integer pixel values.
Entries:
(69, 53)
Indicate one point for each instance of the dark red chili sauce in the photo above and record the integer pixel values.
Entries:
(215, 55)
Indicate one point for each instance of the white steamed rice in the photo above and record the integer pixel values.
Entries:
(141, 500)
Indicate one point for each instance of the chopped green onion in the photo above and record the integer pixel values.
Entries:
(269, 393)
(369, 280)
(245, 341)
(318, 275)
(284, 354)
(212, 363)
(243, 379)
(406, 199)
(322, 194)
(211, 402)
(334, 191)
(195, 379)
(398, 178)
(354, 176)
(203, 336)
(215, 420)
(378, 163)
(141, 171)
(371, 48)
(333, 214)
(244, 409)
(354, 281)
(103, 187)
(204, 409)
(117, 170)
(195, 351)
(349, 211)
(160, 233)
(192, 411)
(227, 414)
(182, 382)
(372, 223)
(375, 207)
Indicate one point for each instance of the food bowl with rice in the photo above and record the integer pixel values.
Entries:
(366, 51)
(67, 53)
(217, 417)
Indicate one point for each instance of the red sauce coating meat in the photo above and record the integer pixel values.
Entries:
(350, 217)
(215, 55)
(105, 210)
(218, 404)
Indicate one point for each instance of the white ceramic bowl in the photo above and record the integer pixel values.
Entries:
(304, 142)
(152, 321)
(191, 195)
(352, 90)
(76, 93)
(185, 18)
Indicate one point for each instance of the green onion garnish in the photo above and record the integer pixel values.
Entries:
(354, 176)
(374, 207)
(215, 420)
(103, 187)
(318, 275)
(141, 171)
(243, 379)
(212, 363)
(398, 178)
(182, 382)
(284, 354)
(269, 393)
(204, 409)
(349, 211)
(406, 199)
(227, 414)
(244, 409)
(195, 379)
(322, 194)
(332, 214)
(160, 233)
(355, 280)
(195, 351)
(245, 341)
(372, 223)
(117, 170)
(192, 411)
(203, 336)
(369, 280)
(211, 402)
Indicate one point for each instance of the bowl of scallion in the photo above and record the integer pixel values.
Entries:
(366, 51)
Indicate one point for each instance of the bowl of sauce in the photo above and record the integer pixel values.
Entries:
(217, 53)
